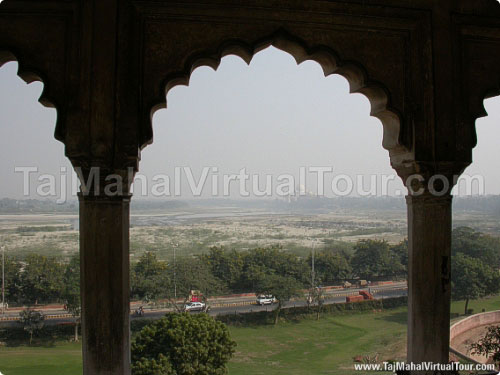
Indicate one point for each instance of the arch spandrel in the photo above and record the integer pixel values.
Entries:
(36, 35)
(479, 40)
(383, 48)
(490, 8)
(376, 59)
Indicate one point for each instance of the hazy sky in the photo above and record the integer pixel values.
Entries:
(271, 117)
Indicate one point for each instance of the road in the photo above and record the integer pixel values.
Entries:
(388, 293)
(243, 305)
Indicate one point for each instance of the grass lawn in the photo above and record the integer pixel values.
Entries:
(307, 347)
(326, 346)
(60, 359)
(488, 304)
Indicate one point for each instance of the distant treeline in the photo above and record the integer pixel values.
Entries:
(487, 204)
(222, 271)
(37, 279)
(30, 206)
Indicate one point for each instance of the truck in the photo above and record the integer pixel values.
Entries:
(195, 296)
(346, 284)
(362, 283)
(357, 298)
(365, 294)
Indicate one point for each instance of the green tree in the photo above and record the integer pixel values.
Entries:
(260, 262)
(71, 292)
(340, 247)
(489, 344)
(253, 275)
(191, 274)
(153, 366)
(32, 321)
(283, 288)
(148, 278)
(41, 280)
(477, 245)
(373, 258)
(182, 344)
(472, 279)
(12, 279)
(225, 265)
(400, 255)
(331, 267)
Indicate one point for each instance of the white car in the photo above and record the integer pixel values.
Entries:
(265, 300)
(194, 306)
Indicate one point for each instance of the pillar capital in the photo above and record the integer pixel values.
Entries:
(428, 199)
(108, 199)
(102, 182)
(429, 179)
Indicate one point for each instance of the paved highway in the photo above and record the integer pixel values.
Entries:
(246, 304)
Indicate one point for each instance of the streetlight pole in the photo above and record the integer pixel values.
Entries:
(312, 266)
(175, 279)
(3, 280)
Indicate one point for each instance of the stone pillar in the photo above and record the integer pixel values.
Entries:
(104, 259)
(429, 242)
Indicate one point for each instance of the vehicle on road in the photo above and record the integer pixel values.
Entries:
(265, 300)
(365, 294)
(357, 298)
(195, 296)
(194, 306)
(363, 283)
(139, 311)
(346, 284)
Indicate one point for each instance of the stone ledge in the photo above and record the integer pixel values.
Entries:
(469, 323)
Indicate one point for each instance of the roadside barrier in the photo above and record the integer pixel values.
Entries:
(52, 316)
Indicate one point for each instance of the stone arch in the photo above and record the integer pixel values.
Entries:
(480, 112)
(329, 60)
(481, 109)
(29, 73)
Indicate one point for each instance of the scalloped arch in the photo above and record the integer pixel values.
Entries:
(30, 74)
(491, 93)
(330, 62)
(479, 111)
(482, 112)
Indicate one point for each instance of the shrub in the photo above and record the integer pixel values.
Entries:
(16, 335)
(182, 344)
(489, 344)
(295, 313)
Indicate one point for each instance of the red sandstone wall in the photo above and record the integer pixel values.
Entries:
(474, 321)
